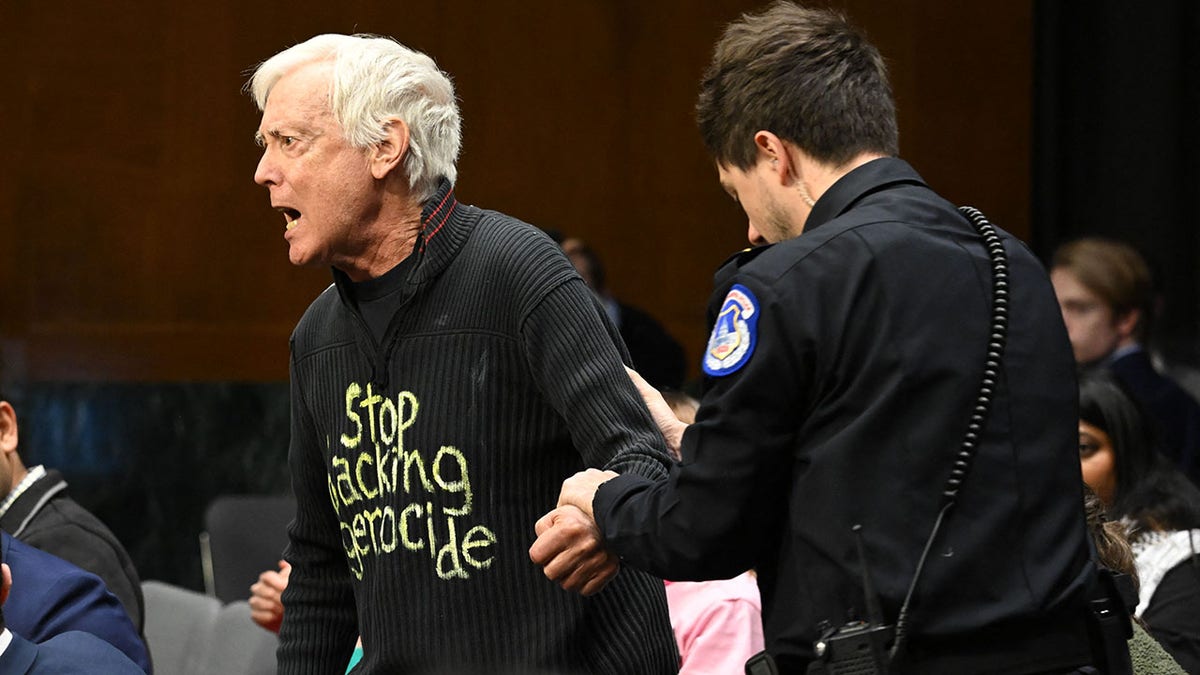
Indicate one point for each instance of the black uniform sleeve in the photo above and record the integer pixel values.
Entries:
(319, 625)
(576, 362)
(710, 518)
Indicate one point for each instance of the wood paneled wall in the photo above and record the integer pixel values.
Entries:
(134, 245)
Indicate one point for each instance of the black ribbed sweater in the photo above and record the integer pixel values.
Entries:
(420, 466)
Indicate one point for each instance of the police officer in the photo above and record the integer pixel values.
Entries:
(845, 359)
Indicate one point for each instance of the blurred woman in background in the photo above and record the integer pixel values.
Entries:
(1158, 505)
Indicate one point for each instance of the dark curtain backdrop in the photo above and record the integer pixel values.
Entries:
(1116, 142)
(147, 299)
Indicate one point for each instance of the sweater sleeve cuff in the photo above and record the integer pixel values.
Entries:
(645, 465)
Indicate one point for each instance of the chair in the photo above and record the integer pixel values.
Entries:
(244, 535)
(179, 626)
(239, 646)
(190, 633)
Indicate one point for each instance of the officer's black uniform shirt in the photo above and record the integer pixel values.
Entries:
(869, 345)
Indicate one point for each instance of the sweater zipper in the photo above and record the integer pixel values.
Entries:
(380, 354)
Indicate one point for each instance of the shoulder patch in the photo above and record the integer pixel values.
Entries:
(734, 334)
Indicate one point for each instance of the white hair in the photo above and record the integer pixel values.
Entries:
(374, 79)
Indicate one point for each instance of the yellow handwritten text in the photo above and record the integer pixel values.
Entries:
(389, 497)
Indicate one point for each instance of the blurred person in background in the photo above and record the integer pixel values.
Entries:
(51, 596)
(655, 354)
(67, 653)
(1157, 505)
(1147, 656)
(1106, 294)
(35, 508)
(718, 624)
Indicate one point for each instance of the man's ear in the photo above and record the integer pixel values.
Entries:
(8, 428)
(1127, 323)
(389, 152)
(772, 149)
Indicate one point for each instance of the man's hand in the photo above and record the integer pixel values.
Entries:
(266, 604)
(664, 418)
(571, 552)
(579, 490)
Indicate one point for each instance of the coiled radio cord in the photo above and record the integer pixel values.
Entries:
(991, 376)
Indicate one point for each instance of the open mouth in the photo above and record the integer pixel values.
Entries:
(292, 216)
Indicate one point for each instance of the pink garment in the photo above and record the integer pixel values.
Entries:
(718, 624)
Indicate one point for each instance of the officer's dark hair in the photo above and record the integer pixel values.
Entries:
(807, 76)
(1150, 492)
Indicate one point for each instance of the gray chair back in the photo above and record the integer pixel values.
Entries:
(244, 535)
(240, 646)
(190, 633)
(179, 626)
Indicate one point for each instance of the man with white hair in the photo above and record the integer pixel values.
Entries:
(442, 388)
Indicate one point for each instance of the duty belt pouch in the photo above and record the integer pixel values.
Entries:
(1109, 625)
(761, 664)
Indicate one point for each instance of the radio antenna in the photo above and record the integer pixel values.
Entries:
(874, 611)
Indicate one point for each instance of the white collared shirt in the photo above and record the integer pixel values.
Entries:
(5, 640)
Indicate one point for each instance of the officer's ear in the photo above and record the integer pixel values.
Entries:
(774, 153)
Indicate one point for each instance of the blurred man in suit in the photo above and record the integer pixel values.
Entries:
(53, 597)
(656, 355)
(35, 508)
(67, 653)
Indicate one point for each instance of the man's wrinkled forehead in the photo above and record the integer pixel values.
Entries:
(297, 102)
(303, 91)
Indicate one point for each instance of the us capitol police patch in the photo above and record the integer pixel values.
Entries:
(734, 334)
